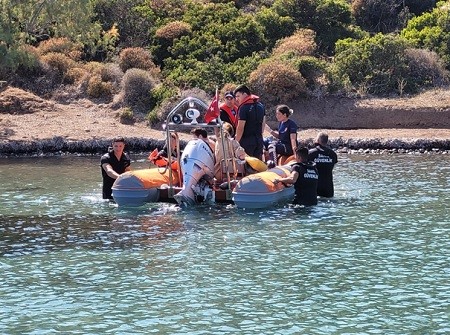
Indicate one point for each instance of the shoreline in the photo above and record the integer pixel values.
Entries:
(59, 145)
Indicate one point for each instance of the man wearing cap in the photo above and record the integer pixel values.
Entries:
(228, 110)
(251, 121)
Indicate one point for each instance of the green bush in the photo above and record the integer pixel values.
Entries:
(277, 81)
(274, 25)
(164, 91)
(431, 31)
(332, 21)
(153, 118)
(301, 11)
(319, 80)
(373, 65)
(126, 116)
(22, 60)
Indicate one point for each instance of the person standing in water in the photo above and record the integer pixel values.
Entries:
(113, 164)
(304, 177)
(325, 159)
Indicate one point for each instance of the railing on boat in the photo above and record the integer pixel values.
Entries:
(190, 108)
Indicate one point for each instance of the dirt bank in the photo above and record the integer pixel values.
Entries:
(30, 124)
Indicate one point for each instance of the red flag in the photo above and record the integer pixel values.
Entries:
(213, 111)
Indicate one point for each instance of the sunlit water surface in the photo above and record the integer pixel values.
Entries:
(374, 260)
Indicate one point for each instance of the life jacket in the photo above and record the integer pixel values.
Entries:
(231, 115)
(251, 99)
(161, 161)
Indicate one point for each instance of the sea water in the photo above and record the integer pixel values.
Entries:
(374, 260)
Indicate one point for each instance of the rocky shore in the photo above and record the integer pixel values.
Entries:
(62, 146)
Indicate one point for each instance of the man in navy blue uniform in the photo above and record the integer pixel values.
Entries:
(325, 159)
(304, 177)
(251, 122)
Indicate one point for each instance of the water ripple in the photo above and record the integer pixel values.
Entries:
(374, 260)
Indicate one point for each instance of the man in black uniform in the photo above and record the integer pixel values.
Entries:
(304, 177)
(325, 159)
(113, 163)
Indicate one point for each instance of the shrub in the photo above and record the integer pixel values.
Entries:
(111, 72)
(301, 43)
(75, 75)
(376, 15)
(135, 58)
(58, 62)
(164, 91)
(23, 60)
(60, 45)
(277, 81)
(137, 86)
(425, 69)
(27, 61)
(316, 73)
(94, 68)
(126, 116)
(172, 30)
(97, 88)
(375, 64)
(431, 31)
(275, 26)
(108, 72)
(153, 118)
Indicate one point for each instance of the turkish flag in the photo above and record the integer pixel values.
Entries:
(213, 111)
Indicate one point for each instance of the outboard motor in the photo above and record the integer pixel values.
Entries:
(197, 168)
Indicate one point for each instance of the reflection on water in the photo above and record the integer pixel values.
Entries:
(374, 260)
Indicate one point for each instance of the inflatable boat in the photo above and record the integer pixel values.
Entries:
(259, 191)
(137, 187)
(189, 179)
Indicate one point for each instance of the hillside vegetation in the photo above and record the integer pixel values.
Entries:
(139, 56)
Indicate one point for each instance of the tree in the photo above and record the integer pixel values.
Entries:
(25, 22)
(377, 15)
(133, 18)
(431, 31)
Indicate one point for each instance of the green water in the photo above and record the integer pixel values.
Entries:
(374, 260)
